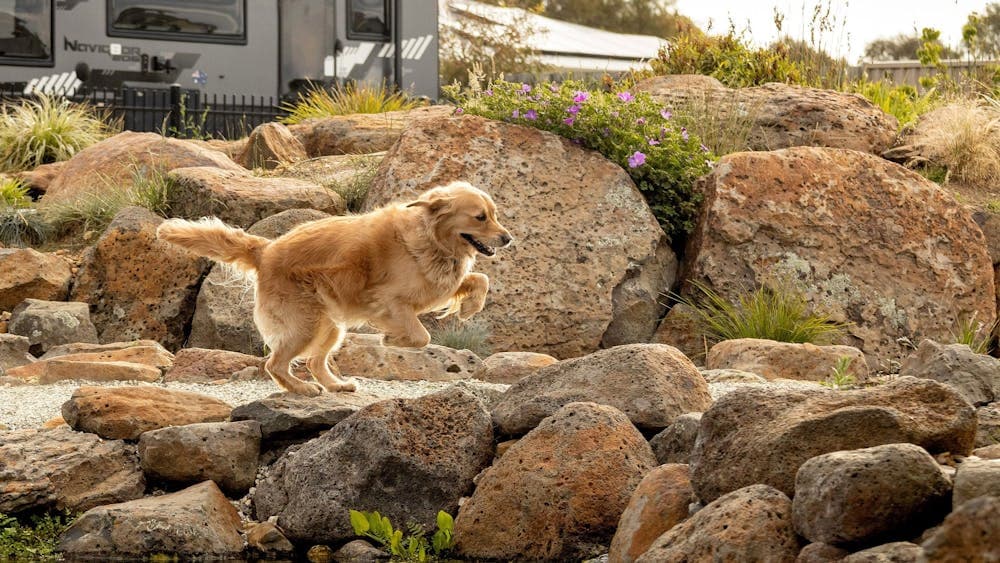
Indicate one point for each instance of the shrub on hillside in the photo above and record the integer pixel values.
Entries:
(46, 130)
(660, 155)
(729, 59)
(900, 101)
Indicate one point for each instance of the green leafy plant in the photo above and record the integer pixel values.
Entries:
(31, 539)
(412, 547)
(45, 130)
(13, 193)
(191, 125)
(780, 314)
(729, 59)
(901, 101)
(343, 100)
(470, 336)
(840, 378)
(661, 155)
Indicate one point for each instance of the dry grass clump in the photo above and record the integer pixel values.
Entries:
(963, 137)
(344, 100)
(36, 132)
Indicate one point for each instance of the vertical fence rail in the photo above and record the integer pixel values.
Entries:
(173, 111)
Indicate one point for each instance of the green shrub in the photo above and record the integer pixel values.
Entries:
(903, 101)
(47, 130)
(729, 59)
(975, 334)
(412, 547)
(352, 98)
(660, 155)
(13, 193)
(780, 314)
(31, 539)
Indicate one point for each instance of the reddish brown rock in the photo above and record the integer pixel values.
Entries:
(269, 146)
(65, 470)
(127, 412)
(358, 133)
(26, 273)
(559, 490)
(224, 452)
(364, 355)
(138, 286)
(578, 219)
(39, 179)
(511, 367)
(751, 524)
(785, 360)
(115, 162)
(868, 241)
(197, 522)
(148, 354)
(756, 435)
(659, 503)
(198, 365)
(240, 198)
(65, 370)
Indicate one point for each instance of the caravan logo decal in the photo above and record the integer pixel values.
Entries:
(127, 54)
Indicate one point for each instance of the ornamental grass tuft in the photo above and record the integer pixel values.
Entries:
(45, 130)
(344, 100)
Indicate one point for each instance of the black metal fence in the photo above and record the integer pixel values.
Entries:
(172, 111)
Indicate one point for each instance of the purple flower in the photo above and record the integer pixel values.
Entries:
(488, 92)
(684, 133)
(531, 114)
(606, 131)
(625, 96)
(459, 111)
(580, 96)
(525, 88)
(637, 159)
(553, 88)
(640, 121)
(704, 148)
(573, 109)
(665, 114)
(653, 142)
(515, 114)
(569, 121)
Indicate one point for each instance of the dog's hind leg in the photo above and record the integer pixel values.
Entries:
(277, 366)
(327, 341)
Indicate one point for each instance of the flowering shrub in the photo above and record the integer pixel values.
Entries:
(628, 128)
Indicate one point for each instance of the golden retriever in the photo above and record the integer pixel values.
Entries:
(382, 268)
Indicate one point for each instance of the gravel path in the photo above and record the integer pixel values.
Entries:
(30, 406)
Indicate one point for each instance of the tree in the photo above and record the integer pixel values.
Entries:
(902, 47)
(981, 33)
(645, 17)
(497, 48)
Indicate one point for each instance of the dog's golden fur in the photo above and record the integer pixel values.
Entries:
(382, 268)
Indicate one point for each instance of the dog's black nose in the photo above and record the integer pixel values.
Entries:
(505, 240)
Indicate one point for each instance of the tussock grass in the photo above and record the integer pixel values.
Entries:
(45, 130)
(722, 120)
(964, 138)
(780, 314)
(470, 336)
(352, 98)
(975, 334)
(13, 193)
(21, 226)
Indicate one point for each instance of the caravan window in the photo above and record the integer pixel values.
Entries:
(211, 21)
(368, 19)
(26, 32)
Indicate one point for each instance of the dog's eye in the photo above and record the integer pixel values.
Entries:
(481, 217)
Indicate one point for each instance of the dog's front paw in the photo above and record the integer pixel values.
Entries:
(470, 306)
(406, 341)
(308, 389)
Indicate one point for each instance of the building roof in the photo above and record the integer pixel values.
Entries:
(563, 45)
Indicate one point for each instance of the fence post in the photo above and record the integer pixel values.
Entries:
(176, 98)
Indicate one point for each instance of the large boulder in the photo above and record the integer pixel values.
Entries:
(224, 452)
(25, 272)
(976, 478)
(659, 503)
(988, 431)
(785, 360)
(975, 376)
(651, 383)
(757, 435)
(364, 355)
(868, 496)
(868, 241)
(116, 162)
(970, 533)
(784, 115)
(65, 470)
(511, 367)
(138, 286)
(51, 323)
(197, 522)
(270, 145)
(557, 493)
(358, 133)
(287, 416)
(223, 317)
(406, 458)
(750, 524)
(575, 217)
(200, 365)
(241, 198)
(126, 412)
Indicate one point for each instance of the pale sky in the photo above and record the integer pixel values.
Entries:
(856, 22)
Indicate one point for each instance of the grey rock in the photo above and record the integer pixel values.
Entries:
(988, 429)
(14, 351)
(975, 376)
(976, 478)
(896, 552)
(287, 416)
(970, 533)
(675, 443)
(49, 323)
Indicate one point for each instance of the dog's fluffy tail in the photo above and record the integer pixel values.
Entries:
(214, 239)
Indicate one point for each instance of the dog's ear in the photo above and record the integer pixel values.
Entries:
(435, 203)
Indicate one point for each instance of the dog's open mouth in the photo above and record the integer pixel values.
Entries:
(482, 248)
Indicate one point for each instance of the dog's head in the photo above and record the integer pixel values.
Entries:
(464, 219)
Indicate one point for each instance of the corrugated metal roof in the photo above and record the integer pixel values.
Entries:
(563, 44)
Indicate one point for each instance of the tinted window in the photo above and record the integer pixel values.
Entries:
(368, 19)
(211, 21)
(26, 31)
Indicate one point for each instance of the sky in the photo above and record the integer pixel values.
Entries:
(856, 22)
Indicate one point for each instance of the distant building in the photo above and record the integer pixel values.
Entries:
(563, 47)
